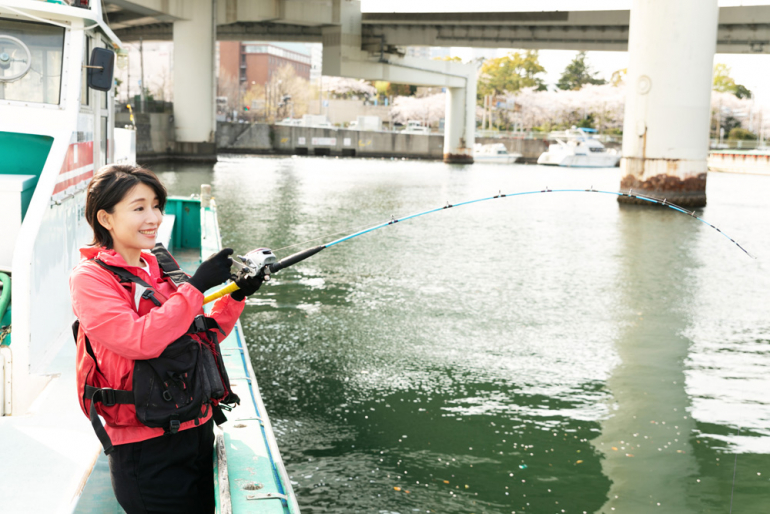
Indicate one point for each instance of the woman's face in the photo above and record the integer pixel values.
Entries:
(134, 221)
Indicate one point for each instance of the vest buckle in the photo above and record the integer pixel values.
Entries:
(199, 324)
(108, 396)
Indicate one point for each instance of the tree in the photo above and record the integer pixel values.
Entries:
(599, 107)
(618, 77)
(724, 83)
(511, 73)
(346, 88)
(228, 87)
(428, 109)
(283, 83)
(401, 90)
(738, 133)
(577, 74)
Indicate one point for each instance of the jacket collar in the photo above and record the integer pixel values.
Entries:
(113, 258)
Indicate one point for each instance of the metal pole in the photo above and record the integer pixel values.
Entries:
(128, 77)
(141, 67)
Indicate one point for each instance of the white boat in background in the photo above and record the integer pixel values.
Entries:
(578, 148)
(415, 127)
(495, 153)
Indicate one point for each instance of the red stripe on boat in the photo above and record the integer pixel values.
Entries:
(85, 152)
(61, 186)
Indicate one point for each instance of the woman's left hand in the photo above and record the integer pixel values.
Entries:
(247, 286)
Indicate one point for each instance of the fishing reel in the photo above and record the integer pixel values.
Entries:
(261, 260)
(255, 262)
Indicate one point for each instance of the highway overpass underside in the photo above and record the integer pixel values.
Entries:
(740, 30)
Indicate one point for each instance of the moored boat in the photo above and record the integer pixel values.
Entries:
(494, 153)
(579, 149)
(56, 129)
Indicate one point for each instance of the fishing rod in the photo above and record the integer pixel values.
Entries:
(263, 260)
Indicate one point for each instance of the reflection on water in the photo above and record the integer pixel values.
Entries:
(508, 356)
(646, 441)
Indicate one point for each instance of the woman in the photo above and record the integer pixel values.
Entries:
(151, 471)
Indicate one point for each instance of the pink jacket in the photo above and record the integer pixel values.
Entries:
(119, 335)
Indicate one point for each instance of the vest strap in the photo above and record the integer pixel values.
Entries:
(168, 265)
(123, 274)
(202, 323)
(108, 397)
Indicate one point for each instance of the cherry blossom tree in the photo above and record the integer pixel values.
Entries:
(428, 109)
(342, 87)
(604, 104)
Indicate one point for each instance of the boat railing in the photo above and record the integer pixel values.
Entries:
(543, 136)
(737, 144)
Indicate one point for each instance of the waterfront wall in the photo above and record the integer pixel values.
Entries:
(340, 111)
(280, 139)
(155, 140)
(155, 135)
(530, 149)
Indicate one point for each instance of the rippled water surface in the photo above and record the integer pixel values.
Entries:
(547, 353)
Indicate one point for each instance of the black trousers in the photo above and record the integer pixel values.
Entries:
(167, 474)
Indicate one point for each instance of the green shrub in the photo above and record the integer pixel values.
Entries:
(741, 134)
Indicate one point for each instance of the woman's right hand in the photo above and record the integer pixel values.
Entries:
(213, 271)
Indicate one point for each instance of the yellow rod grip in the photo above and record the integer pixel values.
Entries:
(218, 294)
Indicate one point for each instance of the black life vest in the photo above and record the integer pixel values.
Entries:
(180, 385)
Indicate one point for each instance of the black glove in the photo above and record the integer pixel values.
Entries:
(213, 271)
(248, 286)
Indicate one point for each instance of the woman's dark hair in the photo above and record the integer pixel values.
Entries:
(108, 187)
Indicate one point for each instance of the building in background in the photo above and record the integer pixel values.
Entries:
(255, 62)
(421, 52)
(316, 61)
(439, 52)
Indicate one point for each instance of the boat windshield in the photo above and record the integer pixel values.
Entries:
(30, 61)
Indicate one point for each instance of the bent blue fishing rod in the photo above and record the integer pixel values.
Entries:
(263, 260)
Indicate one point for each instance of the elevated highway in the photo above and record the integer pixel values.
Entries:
(744, 29)
(740, 29)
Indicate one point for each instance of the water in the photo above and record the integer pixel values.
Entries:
(547, 353)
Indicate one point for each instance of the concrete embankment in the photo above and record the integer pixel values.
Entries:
(261, 138)
(155, 141)
(279, 139)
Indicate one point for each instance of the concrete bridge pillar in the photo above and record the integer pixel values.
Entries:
(194, 81)
(666, 129)
(460, 123)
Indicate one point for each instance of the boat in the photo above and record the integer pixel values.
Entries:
(57, 122)
(415, 127)
(578, 148)
(494, 153)
(752, 162)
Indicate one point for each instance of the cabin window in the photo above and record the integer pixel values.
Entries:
(39, 49)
